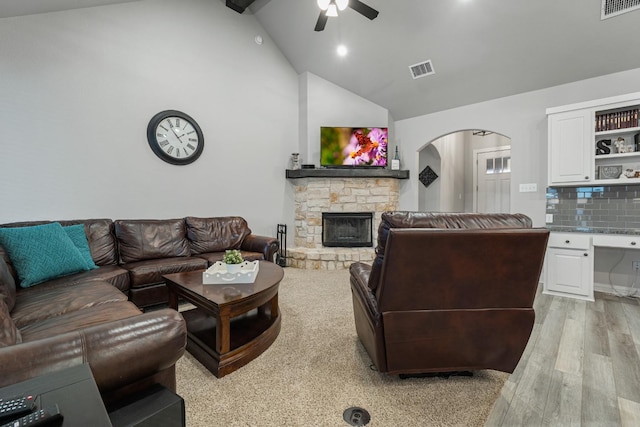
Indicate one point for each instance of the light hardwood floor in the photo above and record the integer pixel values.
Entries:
(580, 368)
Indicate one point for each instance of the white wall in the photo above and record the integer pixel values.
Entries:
(521, 118)
(452, 152)
(322, 103)
(429, 197)
(78, 89)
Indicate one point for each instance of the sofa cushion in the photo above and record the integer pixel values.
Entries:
(101, 237)
(37, 304)
(114, 274)
(7, 285)
(151, 239)
(79, 238)
(9, 334)
(41, 252)
(78, 319)
(216, 234)
(145, 273)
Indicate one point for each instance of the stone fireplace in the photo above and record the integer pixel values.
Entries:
(315, 195)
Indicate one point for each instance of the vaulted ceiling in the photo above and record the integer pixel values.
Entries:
(480, 49)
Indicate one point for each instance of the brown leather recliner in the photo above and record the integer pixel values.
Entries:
(448, 292)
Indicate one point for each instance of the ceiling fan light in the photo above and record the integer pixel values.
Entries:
(342, 4)
(323, 4)
(332, 10)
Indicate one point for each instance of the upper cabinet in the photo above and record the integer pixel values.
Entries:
(570, 159)
(595, 143)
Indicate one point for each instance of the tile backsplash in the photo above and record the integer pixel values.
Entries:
(607, 209)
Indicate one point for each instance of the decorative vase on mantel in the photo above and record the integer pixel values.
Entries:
(395, 162)
(295, 161)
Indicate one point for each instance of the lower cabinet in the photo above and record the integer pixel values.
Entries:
(569, 266)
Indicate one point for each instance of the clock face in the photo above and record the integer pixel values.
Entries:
(175, 137)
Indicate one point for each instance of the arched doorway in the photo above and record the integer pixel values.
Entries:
(473, 169)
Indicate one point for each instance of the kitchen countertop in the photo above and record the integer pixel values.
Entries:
(569, 229)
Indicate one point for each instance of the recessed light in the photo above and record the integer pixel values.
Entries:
(342, 50)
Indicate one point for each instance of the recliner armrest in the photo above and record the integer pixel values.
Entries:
(360, 286)
(268, 246)
(118, 352)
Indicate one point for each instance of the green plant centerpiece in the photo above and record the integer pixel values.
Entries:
(232, 258)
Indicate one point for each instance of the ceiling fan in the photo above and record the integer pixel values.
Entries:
(331, 7)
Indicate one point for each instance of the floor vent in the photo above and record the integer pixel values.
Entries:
(611, 8)
(422, 69)
(356, 416)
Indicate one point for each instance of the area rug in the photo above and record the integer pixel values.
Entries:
(317, 368)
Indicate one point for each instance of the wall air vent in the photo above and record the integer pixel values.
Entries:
(611, 8)
(421, 69)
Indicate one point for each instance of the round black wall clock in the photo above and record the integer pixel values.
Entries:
(175, 137)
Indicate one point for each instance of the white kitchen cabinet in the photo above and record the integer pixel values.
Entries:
(595, 142)
(570, 147)
(569, 266)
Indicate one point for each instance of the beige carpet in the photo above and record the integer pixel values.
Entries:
(317, 368)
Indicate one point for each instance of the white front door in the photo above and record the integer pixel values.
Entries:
(493, 181)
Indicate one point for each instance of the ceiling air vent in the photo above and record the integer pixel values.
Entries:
(422, 69)
(611, 8)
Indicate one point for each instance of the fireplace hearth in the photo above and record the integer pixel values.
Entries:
(347, 229)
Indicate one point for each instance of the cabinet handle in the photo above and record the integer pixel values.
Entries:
(566, 241)
(586, 177)
(586, 254)
(633, 243)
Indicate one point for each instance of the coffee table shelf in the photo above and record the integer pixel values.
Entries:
(250, 336)
(231, 325)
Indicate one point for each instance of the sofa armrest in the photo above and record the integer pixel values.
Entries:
(268, 246)
(118, 352)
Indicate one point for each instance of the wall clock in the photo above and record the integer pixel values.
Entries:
(175, 137)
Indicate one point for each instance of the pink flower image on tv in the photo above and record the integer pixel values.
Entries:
(367, 148)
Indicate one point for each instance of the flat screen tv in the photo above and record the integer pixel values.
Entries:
(349, 147)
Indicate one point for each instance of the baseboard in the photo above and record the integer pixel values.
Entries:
(607, 289)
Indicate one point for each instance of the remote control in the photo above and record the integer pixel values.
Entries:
(41, 417)
(15, 406)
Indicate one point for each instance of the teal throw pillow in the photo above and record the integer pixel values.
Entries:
(79, 238)
(41, 252)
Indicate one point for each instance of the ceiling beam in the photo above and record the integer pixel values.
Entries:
(239, 5)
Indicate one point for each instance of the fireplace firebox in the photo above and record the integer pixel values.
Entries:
(347, 229)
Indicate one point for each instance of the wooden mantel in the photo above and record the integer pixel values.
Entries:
(347, 173)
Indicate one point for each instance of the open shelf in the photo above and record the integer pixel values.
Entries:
(617, 131)
(625, 180)
(617, 155)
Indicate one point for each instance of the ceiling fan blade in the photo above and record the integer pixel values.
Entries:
(322, 21)
(363, 9)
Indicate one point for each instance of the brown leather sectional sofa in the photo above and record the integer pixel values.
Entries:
(97, 317)
(134, 254)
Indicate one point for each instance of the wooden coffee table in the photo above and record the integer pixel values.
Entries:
(232, 324)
